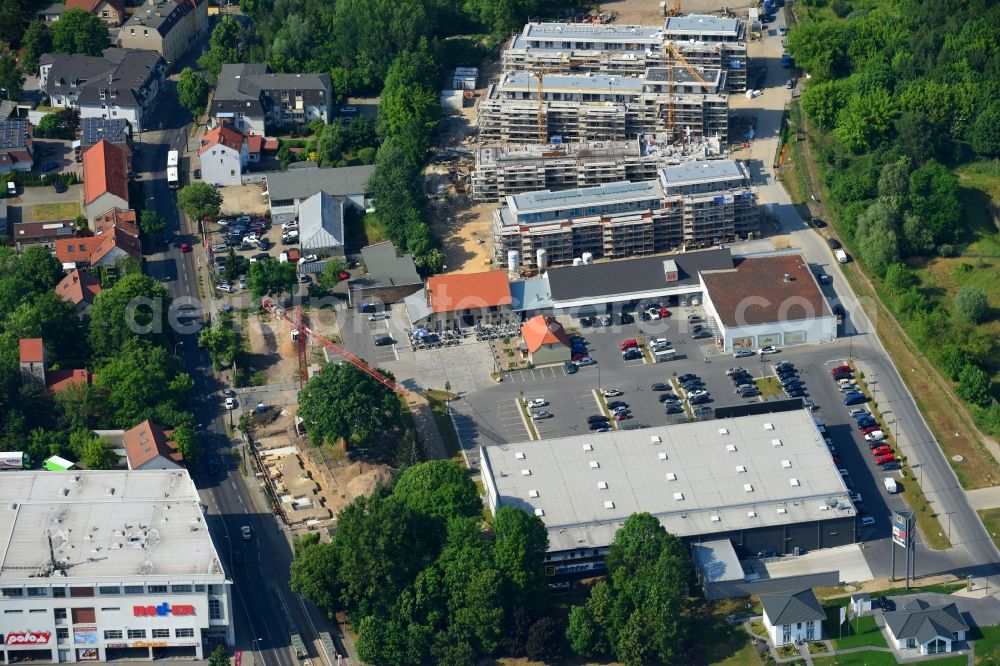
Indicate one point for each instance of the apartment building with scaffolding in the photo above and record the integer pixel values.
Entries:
(693, 205)
(704, 41)
(503, 170)
(576, 108)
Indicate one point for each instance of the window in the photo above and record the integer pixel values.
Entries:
(161, 633)
(37, 610)
(13, 611)
(214, 609)
(810, 630)
(180, 588)
(105, 13)
(109, 589)
(131, 31)
(183, 633)
(62, 633)
(60, 613)
(112, 609)
(157, 589)
(112, 634)
(13, 592)
(199, 588)
(136, 633)
(133, 589)
(215, 589)
(38, 591)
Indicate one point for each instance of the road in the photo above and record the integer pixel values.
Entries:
(264, 607)
(974, 552)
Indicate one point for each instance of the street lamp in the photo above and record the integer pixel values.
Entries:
(949, 523)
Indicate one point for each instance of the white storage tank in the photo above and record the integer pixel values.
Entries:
(513, 261)
(588, 258)
(541, 257)
(577, 261)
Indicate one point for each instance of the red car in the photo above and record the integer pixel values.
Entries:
(185, 247)
(622, 416)
(840, 369)
(881, 460)
(628, 344)
(343, 275)
(664, 313)
(868, 431)
(577, 357)
(882, 450)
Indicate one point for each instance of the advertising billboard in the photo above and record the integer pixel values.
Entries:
(85, 635)
(27, 638)
(900, 525)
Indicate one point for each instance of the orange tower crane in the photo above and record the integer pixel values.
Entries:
(300, 330)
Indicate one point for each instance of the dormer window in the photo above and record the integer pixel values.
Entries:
(102, 94)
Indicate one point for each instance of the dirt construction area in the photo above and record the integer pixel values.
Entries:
(464, 229)
(272, 350)
(243, 199)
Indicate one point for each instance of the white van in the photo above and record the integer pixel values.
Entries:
(11, 188)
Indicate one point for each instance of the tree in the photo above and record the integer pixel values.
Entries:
(143, 381)
(330, 277)
(974, 385)
(61, 124)
(37, 41)
(972, 305)
(271, 278)
(11, 77)
(865, 120)
(983, 134)
(877, 236)
(151, 223)
(200, 200)
(219, 656)
(187, 443)
(49, 317)
(438, 488)
(224, 46)
(545, 641)
(14, 17)
(232, 265)
(819, 48)
(221, 341)
(95, 453)
(79, 31)
(899, 278)
(341, 402)
(500, 17)
(314, 574)
(954, 359)
(823, 100)
(192, 91)
(37, 265)
(136, 306)
(894, 181)
(520, 544)
(934, 197)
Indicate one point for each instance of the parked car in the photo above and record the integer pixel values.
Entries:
(887, 458)
(570, 367)
(858, 412)
(701, 334)
(383, 341)
(667, 397)
(855, 399)
(742, 353)
(686, 378)
(617, 404)
(230, 403)
(674, 409)
(768, 349)
(696, 392)
(882, 450)
(622, 416)
(597, 418)
(219, 248)
(586, 360)
(538, 416)
(694, 319)
(840, 369)
(700, 399)
(631, 354)
(599, 426)
(611, 392)
(50, 166)
(867, 521)
(628, 344)
(59, 186)
(185, 247)
(843, 375)
(833, 243)
(536, 402)
(889, 466)
(875, 436)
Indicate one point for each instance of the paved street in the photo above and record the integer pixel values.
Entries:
(264, 605)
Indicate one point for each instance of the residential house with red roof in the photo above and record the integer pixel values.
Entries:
(115, 236)
(461, 299)
(79, 289)
(105, 179)
(147, 446)
(111, 12)
(224, 154)
(34, 368)
(545, 341)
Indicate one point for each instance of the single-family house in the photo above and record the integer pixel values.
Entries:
(45, 233)
(121, 83)
(34, 368)
(461, 300)
(250, 98)
(321, 225)
(105, 179)
(52, 13)
(932, 629)
(545, 341)
(16, 152)
(115, 237)
(286, 190)
(224, 154)
(79, 289)
(793, 616)
(147, 446)
(255, 147)
(111, 12)
(169, 27)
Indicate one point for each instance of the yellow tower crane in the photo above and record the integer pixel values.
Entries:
(673, 54)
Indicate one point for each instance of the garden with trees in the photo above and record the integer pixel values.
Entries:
(903, 103)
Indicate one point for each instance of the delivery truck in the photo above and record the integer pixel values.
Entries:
(890, 485)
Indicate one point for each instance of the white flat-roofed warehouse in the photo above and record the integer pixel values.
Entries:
(765, 482)
(108, 565)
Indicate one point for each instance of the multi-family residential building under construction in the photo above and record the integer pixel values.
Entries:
(704, 41)
(690, 205)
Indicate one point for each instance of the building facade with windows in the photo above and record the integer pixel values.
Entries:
(108, 565)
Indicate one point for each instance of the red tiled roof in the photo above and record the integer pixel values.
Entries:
(757, 291)
(540, 330)
(145, 442)
(104, 170)
(116, 217)
(117, 238)
(91, 5)
(464, 291)
(223, 135)
(270, 145)
(78, 288)
(32, 350)
(76, 250)
(255, 143)
(57, 380)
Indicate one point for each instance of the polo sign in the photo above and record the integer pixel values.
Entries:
(28, 638)
(162, 610)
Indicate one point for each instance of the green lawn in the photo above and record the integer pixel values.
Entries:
(860, 632)
(988, 645)
(67, 210)
(769, 387)
(873, 658)
(439, 407)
